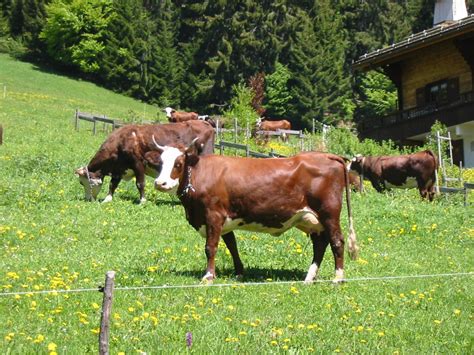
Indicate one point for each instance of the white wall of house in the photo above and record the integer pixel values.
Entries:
(466, 132)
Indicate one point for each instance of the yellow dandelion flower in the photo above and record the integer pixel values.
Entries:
(457, 312)
(294, 290)
(274, 343)
(242, 333)
(52, 347)
(95, 305)
(131, 309)
(381, 334)
(437, 322)
(95, 330)
(39, 339)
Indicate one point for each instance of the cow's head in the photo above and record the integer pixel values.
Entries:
(169, 111)
(356, 164)
(92, 182)
(175, 161)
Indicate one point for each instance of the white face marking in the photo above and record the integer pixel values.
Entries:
(168, 112)
(91, 187)
(409, 183)
(164, 182)
(312, 272)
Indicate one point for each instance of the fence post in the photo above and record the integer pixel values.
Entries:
(93, 129)
(77, 120)
(1, 134)
(106, 311)
(235, 130)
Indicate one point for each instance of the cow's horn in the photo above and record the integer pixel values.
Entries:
(160, 147)
(191, 144)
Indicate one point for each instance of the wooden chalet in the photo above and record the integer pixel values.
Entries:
(433, 72)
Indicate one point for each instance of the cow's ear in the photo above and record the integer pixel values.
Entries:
(192, 158)
(153, 157)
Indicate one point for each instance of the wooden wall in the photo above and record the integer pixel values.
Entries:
(442, 61)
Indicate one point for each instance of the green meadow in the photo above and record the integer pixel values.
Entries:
(411, 290)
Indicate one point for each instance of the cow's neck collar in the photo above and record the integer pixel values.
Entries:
(187, 183)
(87, 174)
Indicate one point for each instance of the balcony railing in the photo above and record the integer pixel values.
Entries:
(413, 113)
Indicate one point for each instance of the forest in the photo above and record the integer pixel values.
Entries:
(294, 56)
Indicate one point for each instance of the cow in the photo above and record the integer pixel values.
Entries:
(180, 116)
(221, 194)
(129, 151)
(266, 125)
(401, 171)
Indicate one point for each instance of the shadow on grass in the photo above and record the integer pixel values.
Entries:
(250, 274)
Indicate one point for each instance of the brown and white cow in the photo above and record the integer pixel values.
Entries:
(180, 116)
(221, 194)
(401, 171)
(266, 125)
(129, 151)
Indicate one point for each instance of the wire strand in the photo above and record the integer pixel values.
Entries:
(243, 284)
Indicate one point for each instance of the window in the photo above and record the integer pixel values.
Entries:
(437, 92)
(440, 92)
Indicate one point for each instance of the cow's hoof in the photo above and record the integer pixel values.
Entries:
(142, 201)
(239, 277)
(207, 279)
(338, 281)
(107, 199)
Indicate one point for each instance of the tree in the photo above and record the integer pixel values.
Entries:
(379, 96)
(74, 32)
(319, 84)
(278, 94)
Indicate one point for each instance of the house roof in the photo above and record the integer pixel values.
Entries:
(439, 33)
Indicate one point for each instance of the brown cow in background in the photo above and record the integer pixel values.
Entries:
(266, 125)
(402, 171)
(129, 151)
(180, 116)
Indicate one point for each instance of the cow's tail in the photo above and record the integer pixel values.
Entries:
(435, 158)
(352, 240)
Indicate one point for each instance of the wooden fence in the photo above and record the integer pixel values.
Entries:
(115, 123)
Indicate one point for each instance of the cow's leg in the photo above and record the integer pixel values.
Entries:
(113, 186)
(332, 228)
(213, 233)
(320, 243)
(139, 171)
(231, 244)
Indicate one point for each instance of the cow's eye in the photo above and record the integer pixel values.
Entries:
(178, 165)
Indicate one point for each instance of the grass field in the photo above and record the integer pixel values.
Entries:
(51, 239)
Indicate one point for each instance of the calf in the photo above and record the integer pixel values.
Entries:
(180, 116)
(129, 151)
(221, 194)
(402, 171)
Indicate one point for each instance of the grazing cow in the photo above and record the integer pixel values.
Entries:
(180, 116)
(129, 151)
(272, 195)
(265, 125)
(402, 171)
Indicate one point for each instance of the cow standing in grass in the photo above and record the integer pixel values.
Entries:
(129, 151)
(221, 194)
(401, 171)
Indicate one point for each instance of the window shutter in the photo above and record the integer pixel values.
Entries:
(453, 89)
(420, 97)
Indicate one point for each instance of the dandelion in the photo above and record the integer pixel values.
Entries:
(242, 333)
(95, 305)
(437, 322)
(52, 347)
(294, 290)
(457, 312)
(95, 330)
(381, 334)
(39, 338)
(274, 343)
